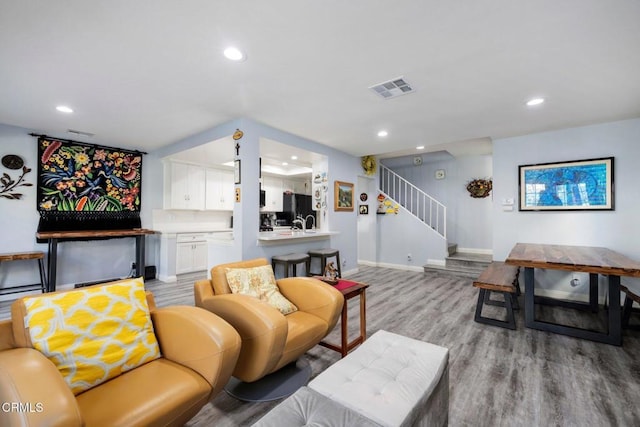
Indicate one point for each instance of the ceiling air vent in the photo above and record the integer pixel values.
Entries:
(80, 133)
(392, 88)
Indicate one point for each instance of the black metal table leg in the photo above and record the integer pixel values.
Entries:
(140, 255)
(52, 262)
(615, 315)
(529, 298)
(43, 277)
(612, 336)
(593, 292)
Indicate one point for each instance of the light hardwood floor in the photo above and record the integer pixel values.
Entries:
(498, 377)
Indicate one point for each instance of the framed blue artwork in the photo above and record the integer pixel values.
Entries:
(567, 186)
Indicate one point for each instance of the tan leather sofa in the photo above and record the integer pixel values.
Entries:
(271, 340)
(199, 351)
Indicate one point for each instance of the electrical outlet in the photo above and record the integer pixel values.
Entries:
(409, 258)
(344, 262)
(575, 282)
(133, 265)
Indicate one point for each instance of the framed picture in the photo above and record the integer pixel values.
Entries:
(343, 196)
(567, 186)
(236, 171)
(363, 209)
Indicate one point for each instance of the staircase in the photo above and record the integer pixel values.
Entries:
(421, 205)
(461, 264)
(434, 215)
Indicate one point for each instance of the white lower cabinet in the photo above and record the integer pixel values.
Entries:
(191, 253)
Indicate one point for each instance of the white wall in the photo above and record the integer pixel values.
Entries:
(617, 230)
(77, 261)
(19, 218)
(401, 234)
(367, 224)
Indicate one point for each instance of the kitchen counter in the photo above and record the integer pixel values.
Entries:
(289, 236)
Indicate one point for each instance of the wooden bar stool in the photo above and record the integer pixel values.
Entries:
(20, 256)
(290, 260)
(323, 254)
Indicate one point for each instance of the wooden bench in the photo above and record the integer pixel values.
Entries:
(500, 278)
(629, 298)
(20, 256)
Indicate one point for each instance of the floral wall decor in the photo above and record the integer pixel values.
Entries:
(369, 165)
(8, 184)
(78, 181)
(479, 188)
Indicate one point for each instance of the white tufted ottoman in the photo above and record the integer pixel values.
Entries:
(392, 380)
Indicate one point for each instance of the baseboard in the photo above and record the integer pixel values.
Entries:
(167, 279)
(393, 266)
(475, 251)
(401, 267)
(367, 263)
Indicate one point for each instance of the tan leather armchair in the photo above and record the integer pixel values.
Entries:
(271, 340)
(199, 351)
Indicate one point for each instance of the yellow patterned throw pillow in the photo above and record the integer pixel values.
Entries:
(93, 334)
(259, 282)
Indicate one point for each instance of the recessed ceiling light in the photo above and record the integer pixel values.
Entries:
(383, 133)
(234, 54)
(284, 163)
(294, 157)
(64, 109)
(420, 147)
(535, 101)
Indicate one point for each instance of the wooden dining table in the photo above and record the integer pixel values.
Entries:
(585, 259)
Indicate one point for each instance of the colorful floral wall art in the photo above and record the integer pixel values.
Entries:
(77, 177)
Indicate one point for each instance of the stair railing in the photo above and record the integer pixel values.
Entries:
(421, 205)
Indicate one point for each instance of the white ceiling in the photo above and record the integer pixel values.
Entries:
(144, 74)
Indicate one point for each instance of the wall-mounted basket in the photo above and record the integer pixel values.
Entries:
(480, 188)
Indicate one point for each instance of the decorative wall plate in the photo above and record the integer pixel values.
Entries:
(12, 161)
(238, 134)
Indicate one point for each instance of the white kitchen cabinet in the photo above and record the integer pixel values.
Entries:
(219, 189)
(191, 253)
(297, 186)
(186, 186)
(273, 187)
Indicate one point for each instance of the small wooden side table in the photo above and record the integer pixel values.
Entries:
(350, 289)
(20, 256)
